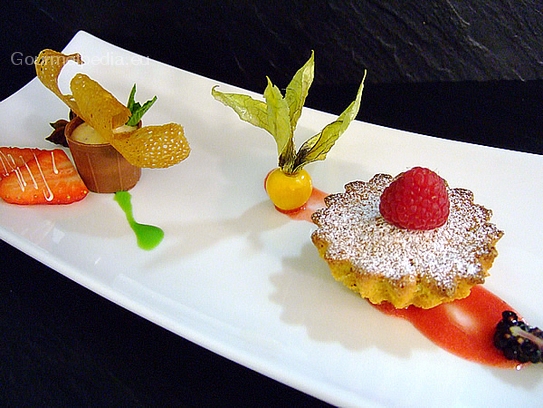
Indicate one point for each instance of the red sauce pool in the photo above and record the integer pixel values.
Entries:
(464, 327)
(316, 201)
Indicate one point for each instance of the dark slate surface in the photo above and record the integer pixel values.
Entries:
(397, 41)
(445, 68)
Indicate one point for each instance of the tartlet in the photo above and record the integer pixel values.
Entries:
(385, 263)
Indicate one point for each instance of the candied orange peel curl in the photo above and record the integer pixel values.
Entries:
(158, 146)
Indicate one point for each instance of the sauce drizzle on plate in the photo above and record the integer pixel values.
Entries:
(464, 327)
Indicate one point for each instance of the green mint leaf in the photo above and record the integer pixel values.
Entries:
(131, 99)
(136, 109)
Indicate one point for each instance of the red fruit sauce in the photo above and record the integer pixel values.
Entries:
(316, 201)
(464, 327)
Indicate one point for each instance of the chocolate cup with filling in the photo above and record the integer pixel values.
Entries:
(100, 165)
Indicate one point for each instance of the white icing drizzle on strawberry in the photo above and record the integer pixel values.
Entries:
(47, 193)
(55, 170)
(20, 178)
(8, 163)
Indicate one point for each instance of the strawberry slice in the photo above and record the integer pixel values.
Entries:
(48, 178)
(13, 157)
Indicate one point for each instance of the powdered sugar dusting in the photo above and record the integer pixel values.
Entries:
(355, 230)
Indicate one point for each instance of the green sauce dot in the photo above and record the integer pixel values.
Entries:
(148, 236)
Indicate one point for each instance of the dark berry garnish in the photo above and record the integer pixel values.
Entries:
(517, 340)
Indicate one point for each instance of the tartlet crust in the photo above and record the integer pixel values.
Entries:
(384, 263)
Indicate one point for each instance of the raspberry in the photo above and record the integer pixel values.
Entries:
(417, 200)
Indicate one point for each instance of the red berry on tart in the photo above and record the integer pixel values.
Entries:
(417, 199)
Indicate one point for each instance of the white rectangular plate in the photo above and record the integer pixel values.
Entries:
(243, 280)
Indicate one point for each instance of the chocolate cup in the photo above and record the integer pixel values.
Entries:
(102, 168)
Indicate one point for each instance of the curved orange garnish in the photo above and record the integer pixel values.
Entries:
(150, 146)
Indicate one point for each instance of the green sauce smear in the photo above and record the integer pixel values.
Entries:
(148, 236)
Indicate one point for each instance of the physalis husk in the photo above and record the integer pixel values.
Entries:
(278, 115)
